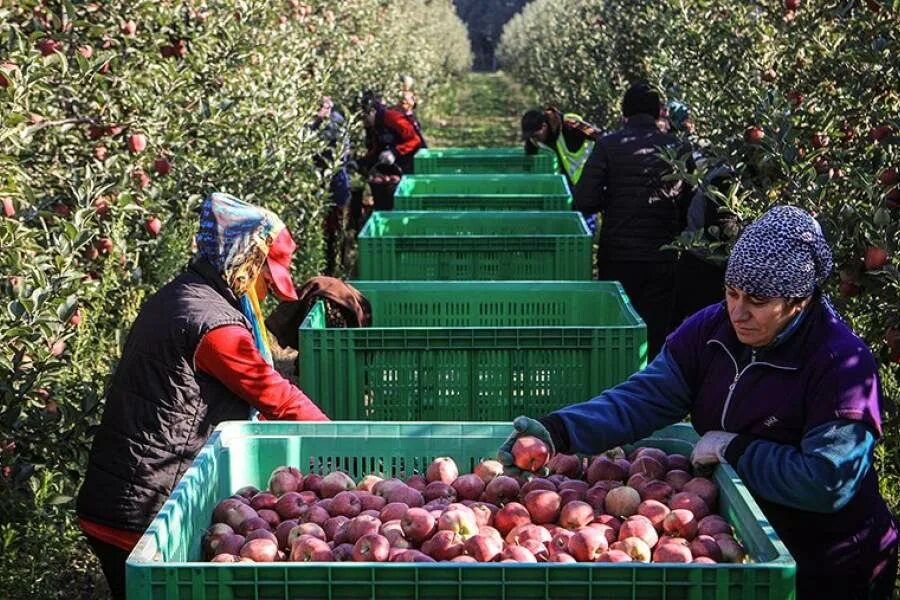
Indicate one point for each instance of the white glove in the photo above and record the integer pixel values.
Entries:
(711, 448)
(386, 158)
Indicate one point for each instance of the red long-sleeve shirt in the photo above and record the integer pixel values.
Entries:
(229, 354)
(409, 139)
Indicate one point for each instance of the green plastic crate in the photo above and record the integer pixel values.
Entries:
(456, 161)
(483, 192)
(467, 246)
(476, 351)
(162, 565)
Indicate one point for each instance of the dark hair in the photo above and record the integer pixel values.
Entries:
(533, 120)
(368, 101)
(640, 98)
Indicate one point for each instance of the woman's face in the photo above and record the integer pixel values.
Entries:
(757, 320)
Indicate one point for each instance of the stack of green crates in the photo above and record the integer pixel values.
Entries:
(471, 161)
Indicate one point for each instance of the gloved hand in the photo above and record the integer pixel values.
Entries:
(711, 448)
(523, 426)
(386, 158)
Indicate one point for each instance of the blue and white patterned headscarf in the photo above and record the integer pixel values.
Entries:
(235, 237)
(783, 254)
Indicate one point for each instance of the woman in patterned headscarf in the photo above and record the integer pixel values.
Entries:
(197, 355)
(779, 387)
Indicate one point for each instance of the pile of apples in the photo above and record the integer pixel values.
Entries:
(384, 179)
(643, 508)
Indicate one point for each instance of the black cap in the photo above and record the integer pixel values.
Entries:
(532, 121)
(640, 99)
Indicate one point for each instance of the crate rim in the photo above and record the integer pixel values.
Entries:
(630, 311)
(227, 429)
(475, 214)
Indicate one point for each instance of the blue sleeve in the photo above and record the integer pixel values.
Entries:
(647, 401)
(822, 475)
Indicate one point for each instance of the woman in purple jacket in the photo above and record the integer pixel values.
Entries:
(780, 388)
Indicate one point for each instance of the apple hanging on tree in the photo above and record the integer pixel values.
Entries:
(153, 226)
(137, 142)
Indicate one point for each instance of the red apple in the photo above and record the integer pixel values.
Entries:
(487, 470)
(153, 226)
(162, 166)
(587, 543)
(501, 489)
(310, 549)
(676, 478)
(753, 135)
(412, 556)
(879, 133)
(732, 551)
(129, 28)
(393, 511)
(48, 46)
(371, 548)
(691, 502)
(418, 525)
(605, 468)
(681, 523)
(460, 521)
(260, 550)
(655, 511)
(569, 465)
(875, 258)
(417, 482)
(530, 453)
(360, 526)
(705, 488)
(405, 494)
(483, 548)
(672, 553)
(636, 549)
(442, 469)
(213, 536)
(543, 505)
(469, 487)
(334, 483)
(511, 515)
(622, 501)
(367, 483)
(137, 142)
(346, 504)
(639, 527)
(613, 556)
(576, 514)
(438, 490)
(517, 554)
(705, 545)
(712, 525)
(444, 545)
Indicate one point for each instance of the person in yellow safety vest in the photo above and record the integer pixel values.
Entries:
(568, 135)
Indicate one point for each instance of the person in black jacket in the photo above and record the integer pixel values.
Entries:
(624, 180)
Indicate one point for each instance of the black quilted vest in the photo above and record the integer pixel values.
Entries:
(159, 409)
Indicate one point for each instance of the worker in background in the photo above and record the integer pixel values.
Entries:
(626, 179)
(569, 136)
